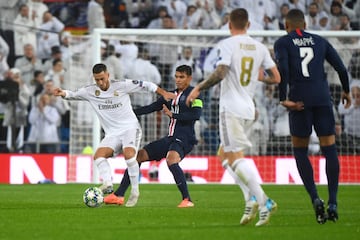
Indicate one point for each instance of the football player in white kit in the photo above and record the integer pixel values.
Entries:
(111, 101)
(240, 66)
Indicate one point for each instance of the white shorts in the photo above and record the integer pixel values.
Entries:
(233, 132)
(129, 138)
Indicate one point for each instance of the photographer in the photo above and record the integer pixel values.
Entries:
(15, 115)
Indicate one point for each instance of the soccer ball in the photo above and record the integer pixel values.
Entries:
(93, 197)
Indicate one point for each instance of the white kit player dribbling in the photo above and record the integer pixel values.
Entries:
(111, 102)
(240, 66)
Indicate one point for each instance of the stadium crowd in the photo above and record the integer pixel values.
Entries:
(34, 52)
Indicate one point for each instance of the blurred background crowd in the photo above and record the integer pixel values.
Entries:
(35, 53)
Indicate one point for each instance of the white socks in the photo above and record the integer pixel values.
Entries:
(238, 181)
(133, 170)
(104, 170)
(247, 176)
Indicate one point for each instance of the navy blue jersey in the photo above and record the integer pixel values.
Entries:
(181, 125)
(300, 57)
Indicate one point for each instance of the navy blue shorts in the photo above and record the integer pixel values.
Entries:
(158, 149)
(321, 117)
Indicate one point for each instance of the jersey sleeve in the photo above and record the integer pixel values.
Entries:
(193, 114)
(224, 53)
(335, 61)
(132, 86)
(155, 106)
(281, 57)
(268, 60)
(79, 94)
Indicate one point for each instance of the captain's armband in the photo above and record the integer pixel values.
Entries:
(197, 103)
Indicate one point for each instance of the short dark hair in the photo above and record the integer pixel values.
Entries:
(37, 73)
(99, 67)
(184, 69)
(295, 17)
(55, 61)
(239, 18)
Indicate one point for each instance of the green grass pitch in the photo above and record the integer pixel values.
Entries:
(57, 212)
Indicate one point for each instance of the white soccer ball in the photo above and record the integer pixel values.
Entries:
(93, 197)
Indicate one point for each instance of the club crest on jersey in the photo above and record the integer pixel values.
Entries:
(137, 82)
(97, 92)
(116, 93)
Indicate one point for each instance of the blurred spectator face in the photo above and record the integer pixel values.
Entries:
(226, 18)
(58, 66)
(162, 12)
(28, 51)
(187, 53)
(191, 9)
(219, 4)
(269, 91)
(335, 8)
(47, 17)
(355, 93)
(284, 9)
(344, 21)
(15, 75)
(40, 78)
(167, 23)
(49, 87)
(323, 21)
(24, 11)
(313, 10)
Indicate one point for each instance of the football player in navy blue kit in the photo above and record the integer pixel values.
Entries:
(300, 57)
(179, 141)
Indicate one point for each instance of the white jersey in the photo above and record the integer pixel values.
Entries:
(113, 106)
(244, 55)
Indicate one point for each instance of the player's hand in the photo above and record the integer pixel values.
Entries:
(167, 111)
(193, 95)
(58, 92)
(293, 106)
(169, 95)
(346, 99)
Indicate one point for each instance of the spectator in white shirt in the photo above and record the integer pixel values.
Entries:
(186, 58)
(49, 36)
(4, 53)
(44, 119)
(111, 61)
(56, 73)
(37, 8)
(24, 30)
(95, 15)
(28, 64)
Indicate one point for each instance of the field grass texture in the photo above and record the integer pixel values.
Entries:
(50, 211)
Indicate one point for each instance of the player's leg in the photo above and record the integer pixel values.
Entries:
(300, 129)
(234, 140)
(225, 164)
(324, 125)
(131, 141)
(177, 151)
(105, 151)
(142, 156)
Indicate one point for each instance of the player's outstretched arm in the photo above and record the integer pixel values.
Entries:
(167, 95)
(59, 92)
(216, 77)
(272, 76)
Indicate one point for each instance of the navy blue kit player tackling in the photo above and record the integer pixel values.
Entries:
(179, 141)
(300, 56)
